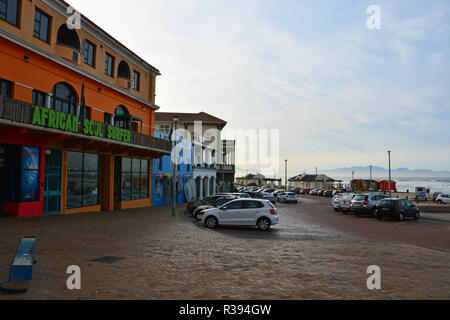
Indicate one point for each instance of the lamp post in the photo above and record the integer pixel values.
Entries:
(174, 167)
(390, 176)
(285, 173)
(223, 171)
(370, 187)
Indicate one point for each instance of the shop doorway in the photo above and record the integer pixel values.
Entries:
(52, 181)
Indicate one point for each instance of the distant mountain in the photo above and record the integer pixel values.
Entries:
(379, 172)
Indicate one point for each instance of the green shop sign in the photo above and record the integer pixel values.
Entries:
(58, 120)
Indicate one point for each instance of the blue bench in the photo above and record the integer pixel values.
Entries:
(22, 265)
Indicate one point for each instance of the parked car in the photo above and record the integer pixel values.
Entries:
(436, 195)
(336, 202)
(328, 193)
(314, 192)
(366, 204)
(192, 206)
(320, 193)
(270, 197)
(305, 191)
(345, 202)
(242, 212)
(198, 212)
(288, 197)
(399, 209)
(241, 195)
(443, 199)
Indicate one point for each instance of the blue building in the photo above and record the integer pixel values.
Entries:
(162, 178)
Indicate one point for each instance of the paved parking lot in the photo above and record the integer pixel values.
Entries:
(313, 254)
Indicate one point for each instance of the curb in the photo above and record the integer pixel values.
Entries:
(434, 217)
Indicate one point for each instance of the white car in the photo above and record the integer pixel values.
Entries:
(443, 199)
(288, 197)
(346, 202)
(336, 202)
(242, 212)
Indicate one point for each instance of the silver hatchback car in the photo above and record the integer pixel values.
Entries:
(243, 212)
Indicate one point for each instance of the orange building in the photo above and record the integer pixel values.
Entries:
(76, 115)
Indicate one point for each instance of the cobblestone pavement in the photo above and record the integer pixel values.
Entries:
(176, 258)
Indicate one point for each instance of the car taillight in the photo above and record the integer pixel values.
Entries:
(264, 197)
(272, 212)
(366, 202)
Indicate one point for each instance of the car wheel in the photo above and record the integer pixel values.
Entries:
(358, 214)
(417, 216)
(211, 222)
(264, 224)
(440, 202)
(401, 217)
(336, 209)
(379, 217)
(373, 213)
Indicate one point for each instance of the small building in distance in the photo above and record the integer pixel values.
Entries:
(258, 180)
(313, 181)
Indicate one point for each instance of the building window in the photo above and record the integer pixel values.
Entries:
(160, 164)
(23, 178)
(82, 180)
(64, 99)
(124, 70)
(134, 179)
(164, 129)
(109, 65)
(9, 11)
(67, 37)
(5, 88)
(108, 119)
(136, 80)
(122, 118)
(41, 26)
(89, 53)
(39, 98)
(87, 113)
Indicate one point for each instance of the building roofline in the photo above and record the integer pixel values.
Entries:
(87, 25)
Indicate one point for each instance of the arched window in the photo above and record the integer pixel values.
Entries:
(122, 118)
(68, 37)
(64, 98)
(124, 71)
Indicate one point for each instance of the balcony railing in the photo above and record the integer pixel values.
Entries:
(22, 113)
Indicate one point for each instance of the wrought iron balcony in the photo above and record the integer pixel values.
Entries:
(18, 113)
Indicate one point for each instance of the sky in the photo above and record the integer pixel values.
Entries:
(340, 95)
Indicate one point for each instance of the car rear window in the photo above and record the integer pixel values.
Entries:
(361, 198)
(290, 194)
(387, 203)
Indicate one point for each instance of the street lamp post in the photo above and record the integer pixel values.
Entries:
(174, 167)
(390, 176)
(285, 174)
(370, 179)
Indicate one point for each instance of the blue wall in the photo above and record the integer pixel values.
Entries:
(162, 179)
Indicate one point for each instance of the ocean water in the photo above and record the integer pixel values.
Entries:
(405, 184)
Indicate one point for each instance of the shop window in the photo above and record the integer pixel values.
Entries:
(41, 25)
(5, 87)
(108, 119)
(122, 118)
(39, 98)
(64, 99)
(82, 180)
(133, 179)
(23, 174)
(68, 38)
(9, 11)
(89, 53)
(160, 164)
(87, 112)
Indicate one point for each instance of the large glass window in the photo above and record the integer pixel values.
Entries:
(41, 25)
(5, 87)
(64, 99)
(9, 11)
(82, 180)
(133, 179)
(136, 80)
